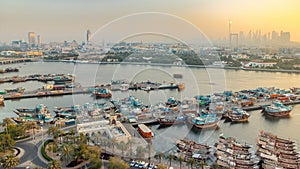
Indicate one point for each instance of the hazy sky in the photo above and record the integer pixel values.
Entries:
(58, 20)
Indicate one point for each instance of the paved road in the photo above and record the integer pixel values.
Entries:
(31, 153)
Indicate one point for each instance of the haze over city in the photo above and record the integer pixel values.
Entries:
(69, 20)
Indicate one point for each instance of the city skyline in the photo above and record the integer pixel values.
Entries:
(59, 21)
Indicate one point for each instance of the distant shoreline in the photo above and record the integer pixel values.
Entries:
(172, 65)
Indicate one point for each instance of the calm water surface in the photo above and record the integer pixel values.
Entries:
(197, 81)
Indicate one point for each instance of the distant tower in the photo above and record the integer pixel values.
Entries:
(31, 39)
(39, 42)
(229, 32)
(88, 36)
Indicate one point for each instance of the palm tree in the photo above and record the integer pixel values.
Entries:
(180, 159)
(9, 161)
(202, 164)
(170, 157)
(5, 123)
(159, 155)
(52, 131)
(191, 161)
(72, 133)
(54, 164)
(67, 152)
(60, 133)
(82, 138)
(6, 142)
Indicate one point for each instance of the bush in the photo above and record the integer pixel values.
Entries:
(43, 151)
(22, 137)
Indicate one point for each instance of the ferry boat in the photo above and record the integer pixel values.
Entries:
(145, 131)
(205, 121)
(102, 93)
(277, 109)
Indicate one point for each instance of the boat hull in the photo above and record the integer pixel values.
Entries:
(101, 95)
(279, 114)
(212, 125)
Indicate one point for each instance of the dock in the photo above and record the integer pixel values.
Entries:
(4, 61)
(38, 93)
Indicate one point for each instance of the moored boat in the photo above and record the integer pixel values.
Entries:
(1, 100)
(237, 115)
(145, 131)
(205, 121)
(165, 122)
(102, 93)
(277, 109)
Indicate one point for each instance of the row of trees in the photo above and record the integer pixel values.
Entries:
(73, 148)
(12, 132)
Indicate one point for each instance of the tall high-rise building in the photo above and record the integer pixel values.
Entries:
(275, 36)
(285, 36)
(31, 39)
(39, 40)
(88, 36)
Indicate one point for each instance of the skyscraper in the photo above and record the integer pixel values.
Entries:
(275, 36)
(31, 39)
(285, 36)
(39, 41)
(88, 36)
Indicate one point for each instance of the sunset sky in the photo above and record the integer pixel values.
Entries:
(58, 20)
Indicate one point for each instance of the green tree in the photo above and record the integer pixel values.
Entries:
(66, 152)
(94, 157)
(72, 133)
(161, 166)
(54, 164)
(202, 164)
(191, 162)
(52, 130)
(170, 157)
(159, 156)
(81, 153)
(117, 163)
(15, 130)
(180, 159)
(82, 139)
(9, 161)
(6, 142)
(60, 134)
